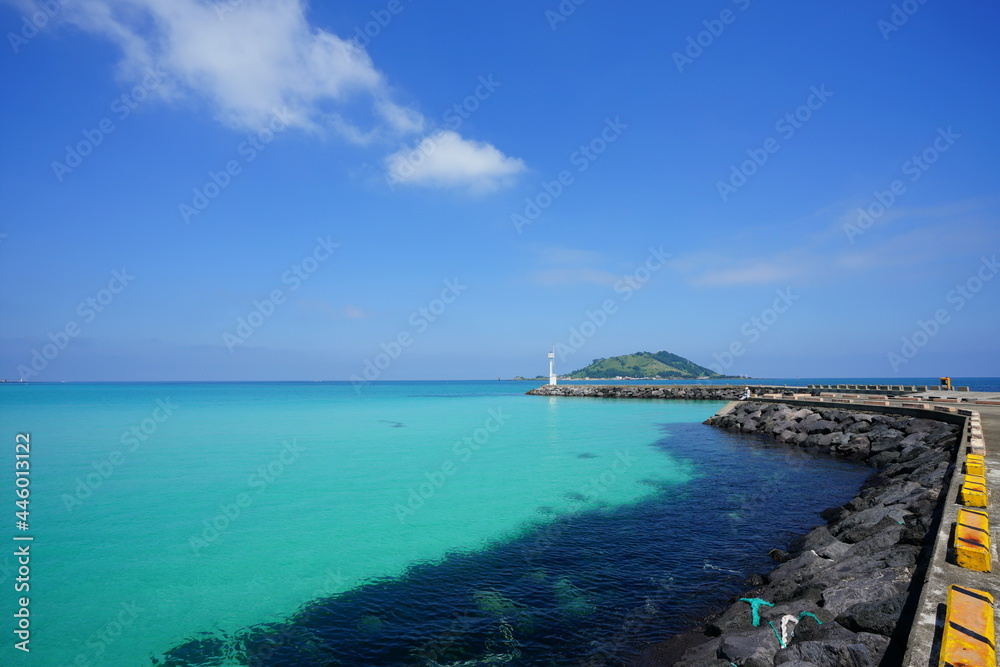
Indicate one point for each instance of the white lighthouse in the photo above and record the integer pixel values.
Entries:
(552, 366)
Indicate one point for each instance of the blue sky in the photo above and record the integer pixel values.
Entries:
(268, 190)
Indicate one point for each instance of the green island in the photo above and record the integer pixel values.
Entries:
(644, 365)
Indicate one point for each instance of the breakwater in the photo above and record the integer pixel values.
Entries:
(676, 392)
(845, 593)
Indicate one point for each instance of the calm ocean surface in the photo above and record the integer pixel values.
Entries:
(420, 523)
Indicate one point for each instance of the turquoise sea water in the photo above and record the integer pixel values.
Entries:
(192, 524)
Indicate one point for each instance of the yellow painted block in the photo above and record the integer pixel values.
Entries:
(973, 492)
(969, 637)
(972, 540)
(975, 465)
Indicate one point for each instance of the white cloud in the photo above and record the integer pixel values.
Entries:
(245, 61)
(252, 59)
(446, 159)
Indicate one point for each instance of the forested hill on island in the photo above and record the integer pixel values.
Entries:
(643, 365)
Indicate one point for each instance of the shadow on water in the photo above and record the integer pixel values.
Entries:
(584, 585)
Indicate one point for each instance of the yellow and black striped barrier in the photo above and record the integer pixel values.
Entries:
(972, 540)
(969, 637)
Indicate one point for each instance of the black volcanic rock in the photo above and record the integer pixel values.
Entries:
(856, 571)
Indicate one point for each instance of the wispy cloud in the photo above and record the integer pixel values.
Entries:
(757, 272)
(909, 238)
(864, 216)
(568, 267)
(262, 57)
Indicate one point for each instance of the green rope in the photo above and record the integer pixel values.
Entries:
(777, 634)
(809, 613)
(755, 604)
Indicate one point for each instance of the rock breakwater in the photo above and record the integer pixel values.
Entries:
(679, 392)
(844, 593)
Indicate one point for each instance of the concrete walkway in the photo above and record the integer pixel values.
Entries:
(925, 635)
(963, 396)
